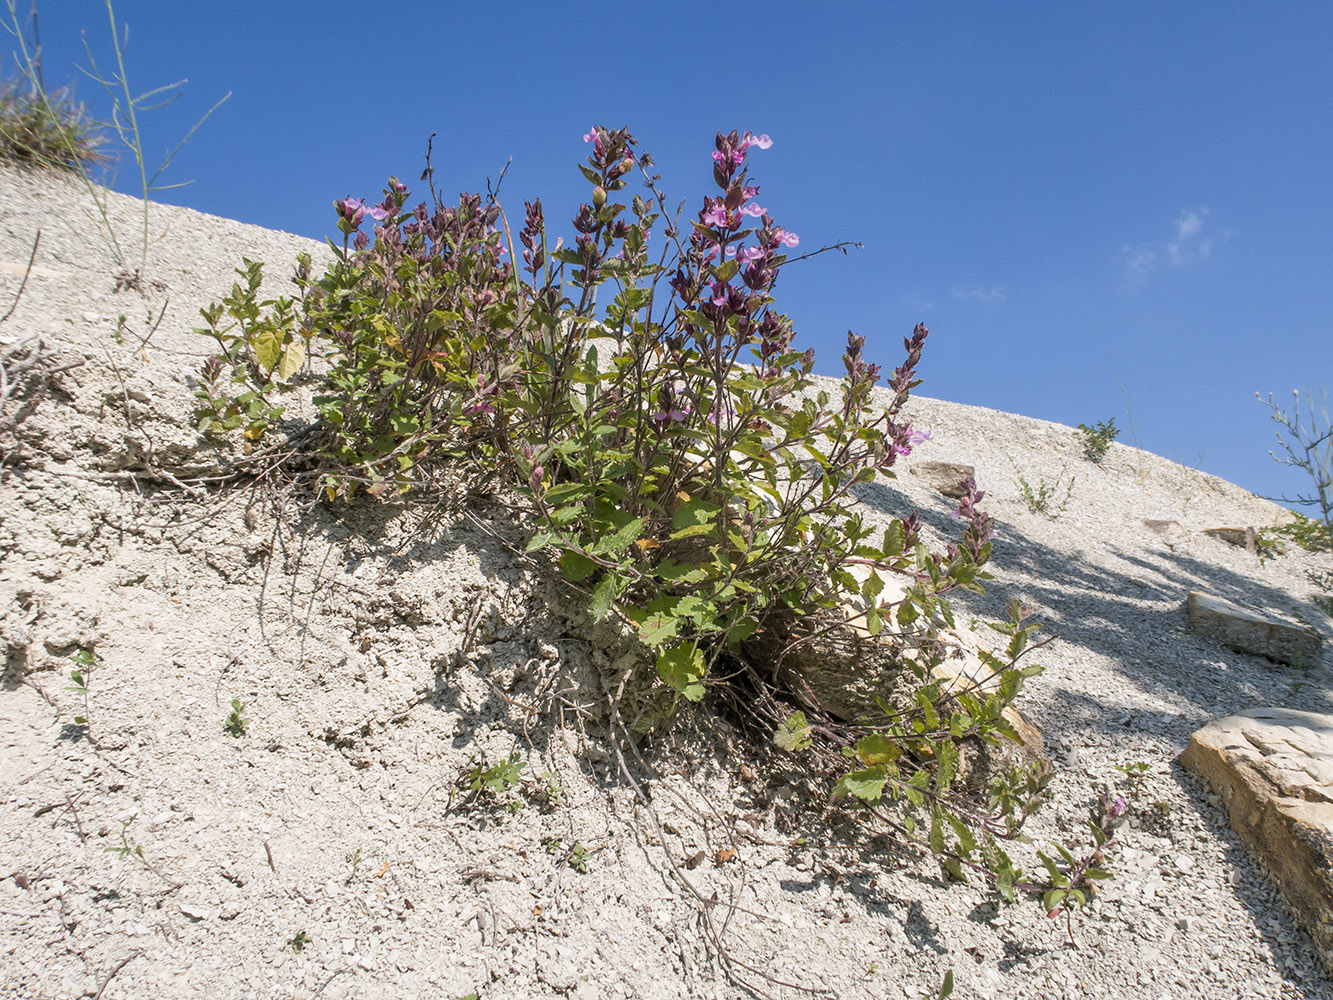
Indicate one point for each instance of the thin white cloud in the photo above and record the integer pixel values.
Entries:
(1191, 241)
(981, 294)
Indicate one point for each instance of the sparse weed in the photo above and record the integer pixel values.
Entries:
(1097, 439)
(236, 723)
(49, 131)
(1039, 500)
(60, 132)
(353, 858)
(1309, 448)
(298, 941)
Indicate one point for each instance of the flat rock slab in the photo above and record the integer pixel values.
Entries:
(1273, 768)
(1250, 632)
(945, 478)
(1245, 538)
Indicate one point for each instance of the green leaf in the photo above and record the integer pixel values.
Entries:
(576, 566)
(539, 541)
(268, 349)
(1004, 884)
(682, 667)
(602, 596)
(936, 831)
(793, 733)
(1052, 899)
(695, 513)
(622, 539)
(867, 784)
(946, 987)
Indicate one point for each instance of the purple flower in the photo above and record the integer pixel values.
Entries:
(762, 141)
(378, 212)
(916, 437)
(747, 254)
(350, 209)
(716, 215)
(719, 296)
(674, 415)
(785, 238)
(754, 210)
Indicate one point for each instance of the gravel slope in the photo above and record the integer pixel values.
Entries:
(378, 655)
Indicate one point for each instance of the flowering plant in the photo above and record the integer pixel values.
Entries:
(671, 451)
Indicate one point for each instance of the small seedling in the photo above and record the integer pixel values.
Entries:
(80, 680)
(553, 792)
(298, 941)
(1097, 439)
(354, 859)
(236, 723)
(498, 779)
(576, 855)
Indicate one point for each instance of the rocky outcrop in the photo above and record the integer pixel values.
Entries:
(1273, 768)
(1246, 538)
(1250, 632)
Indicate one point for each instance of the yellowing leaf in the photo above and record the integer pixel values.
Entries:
(291, 362)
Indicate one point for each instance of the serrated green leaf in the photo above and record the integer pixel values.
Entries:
(867, 784)
(621, 539)
(947, 756)
(602, 596)
(936, 831)
(682, 667)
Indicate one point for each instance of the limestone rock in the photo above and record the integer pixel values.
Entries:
(1249, 632)
(1273, 768)
(946, 478)
(1246, 538)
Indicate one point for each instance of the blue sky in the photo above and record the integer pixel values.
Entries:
(1084, 202)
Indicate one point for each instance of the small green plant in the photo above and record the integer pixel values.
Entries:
(497, 781)
(1039, 500)
(130, 849)
(353, 858)
(551, 792)
(1098, 438)
(1311, 535)
(80, 680)
(575, 855)
(298, 941)
(236, 723)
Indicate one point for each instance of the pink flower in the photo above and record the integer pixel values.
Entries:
(590, 135)
(762, 141)
(754, 210)
(747, 254)
(785, 238)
